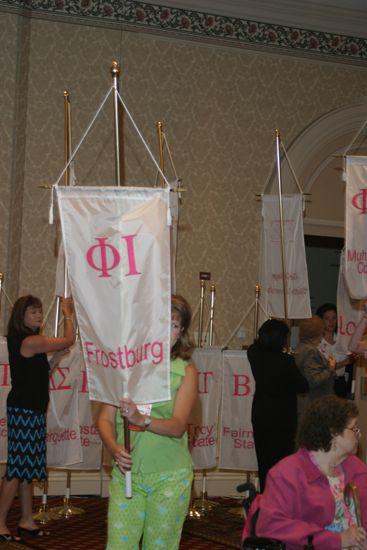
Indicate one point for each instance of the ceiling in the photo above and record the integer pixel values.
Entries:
(348, 17)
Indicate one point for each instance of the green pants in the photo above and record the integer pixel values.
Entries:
(156, 512)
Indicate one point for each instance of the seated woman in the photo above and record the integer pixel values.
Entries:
(274, 407)
(319, 371)
(304, 492)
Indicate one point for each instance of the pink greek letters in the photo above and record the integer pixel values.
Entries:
(104, 257)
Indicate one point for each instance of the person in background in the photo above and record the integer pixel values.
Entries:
(328, 347)
(305, 492)
(160, 460)
(27, 406)
(319, 371)
(274, 407)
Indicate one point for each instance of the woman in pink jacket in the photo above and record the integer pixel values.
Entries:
(304, 492)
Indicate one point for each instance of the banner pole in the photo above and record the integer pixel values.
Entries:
(281, 222)
(211, 322)
(161, 154)
(201, 312)
(256, 313)
(203, 504)
(1, 290)
(66, 510)
(115, 72)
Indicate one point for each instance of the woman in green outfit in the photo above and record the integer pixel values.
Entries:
(160, 460)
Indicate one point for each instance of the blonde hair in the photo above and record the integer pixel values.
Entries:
(183, 347)
(311, 328)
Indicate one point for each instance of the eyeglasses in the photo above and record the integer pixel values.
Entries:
(356, 430)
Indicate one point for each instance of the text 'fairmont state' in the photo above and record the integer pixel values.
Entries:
(124, 357)
(241, 438)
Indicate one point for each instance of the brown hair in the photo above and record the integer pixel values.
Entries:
(16, 322)
(323, 419)
(183, 347)
(311, 328)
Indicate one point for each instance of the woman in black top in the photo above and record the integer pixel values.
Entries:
(27, 405)
(274, 407)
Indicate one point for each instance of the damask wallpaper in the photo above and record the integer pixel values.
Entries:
(219, 106)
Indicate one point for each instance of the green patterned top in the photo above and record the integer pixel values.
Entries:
(158, 453)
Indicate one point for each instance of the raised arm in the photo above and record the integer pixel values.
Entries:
(184, 402)
(46, 344)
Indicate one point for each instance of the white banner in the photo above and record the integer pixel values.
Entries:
(350, 311)
(203, 422)
(63, 437)
(118, 257)
(298, 295)
(237, 447)
(356, 227)
(72, 438)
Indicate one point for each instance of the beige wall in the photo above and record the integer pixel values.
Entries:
(219, 105)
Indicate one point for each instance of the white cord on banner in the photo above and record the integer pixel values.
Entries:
(47, 314)
(142, 139)
(355, 138)
(6, 296)
(78, 146)
(170, 157)
(344, 177)
(291, 168)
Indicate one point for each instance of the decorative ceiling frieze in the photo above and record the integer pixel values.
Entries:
(183, 23)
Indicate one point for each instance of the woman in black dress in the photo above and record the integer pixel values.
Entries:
(27, 405)
(274, 407)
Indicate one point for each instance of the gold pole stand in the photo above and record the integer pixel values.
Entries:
(67, 510)
(203, 504)
(44, 515)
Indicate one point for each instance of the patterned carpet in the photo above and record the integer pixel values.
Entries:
(219, 530)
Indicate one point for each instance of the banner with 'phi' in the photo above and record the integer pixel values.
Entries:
(356, 227)
(237, 447)
(203, 422)
(117, 251)
(296, 277)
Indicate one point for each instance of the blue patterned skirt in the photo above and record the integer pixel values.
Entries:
(26, 444)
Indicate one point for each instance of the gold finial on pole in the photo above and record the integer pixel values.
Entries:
(281, 223)
(256, 316)
(211, 319)
(161, 155)
(115, 72)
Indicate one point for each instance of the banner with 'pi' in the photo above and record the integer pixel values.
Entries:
(118, 258)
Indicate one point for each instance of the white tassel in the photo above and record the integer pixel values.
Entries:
(169, 216)
(51, 210)
(344, 176)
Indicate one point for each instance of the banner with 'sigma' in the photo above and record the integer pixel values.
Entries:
(117, 252)
(356, 227)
